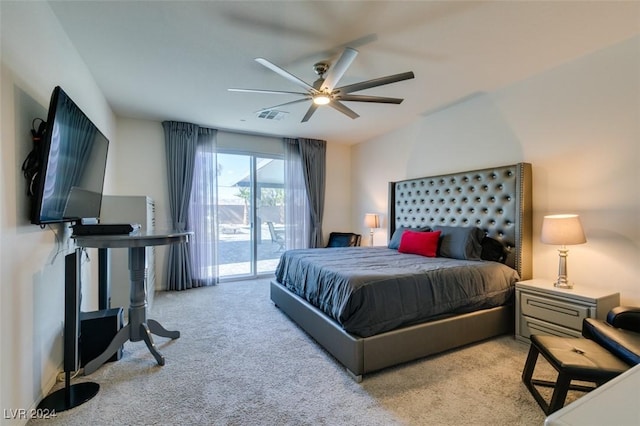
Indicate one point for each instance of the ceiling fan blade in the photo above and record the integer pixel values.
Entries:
(309, 113)
(271, 92)
(285, 74)
(363, 98)
(343, 109)
(374, 83)
(337, 71)
(297, 101)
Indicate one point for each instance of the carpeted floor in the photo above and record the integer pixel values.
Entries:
(241, 361)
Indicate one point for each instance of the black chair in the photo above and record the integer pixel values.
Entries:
(607, 349)
(344, 239)
(619, 334)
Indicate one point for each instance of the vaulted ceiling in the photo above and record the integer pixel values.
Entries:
(175, 60)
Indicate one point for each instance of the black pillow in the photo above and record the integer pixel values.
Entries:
(493, 250)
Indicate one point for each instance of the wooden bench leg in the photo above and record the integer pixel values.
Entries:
(559, 393)
(527, 378)
(530, 365)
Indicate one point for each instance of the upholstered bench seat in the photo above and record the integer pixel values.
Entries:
(574, 359)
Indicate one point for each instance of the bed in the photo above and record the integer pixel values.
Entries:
(496, 201)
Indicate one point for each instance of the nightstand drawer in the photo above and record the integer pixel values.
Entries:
(568, 315)
(529, 326)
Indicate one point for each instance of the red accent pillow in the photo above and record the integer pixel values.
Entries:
(422, 243)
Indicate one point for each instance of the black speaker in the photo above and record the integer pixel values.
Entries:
(97, 330)
(71, 310)
(70, 396)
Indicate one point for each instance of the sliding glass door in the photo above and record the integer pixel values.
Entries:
(250, 214)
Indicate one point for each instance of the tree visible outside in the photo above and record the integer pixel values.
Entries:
(268, 197)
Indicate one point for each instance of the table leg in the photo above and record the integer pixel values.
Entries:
(137, 293)
(141, 328)
(146, 336)
(159, 330)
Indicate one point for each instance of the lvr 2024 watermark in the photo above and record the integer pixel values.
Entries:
(25, 414)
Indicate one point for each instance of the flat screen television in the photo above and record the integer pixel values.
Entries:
(72, 157)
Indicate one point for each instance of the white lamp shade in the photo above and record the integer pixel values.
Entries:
(372, 220)
(562, 229)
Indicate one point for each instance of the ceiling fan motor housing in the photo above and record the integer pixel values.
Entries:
(321, 68)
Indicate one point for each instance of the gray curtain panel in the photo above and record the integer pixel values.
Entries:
(180, 145)
(313, 153)
(297, 213)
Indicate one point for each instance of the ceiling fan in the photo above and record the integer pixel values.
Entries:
(324, 90)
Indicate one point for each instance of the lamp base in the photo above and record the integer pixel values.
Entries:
(562, 281)
(563, 284)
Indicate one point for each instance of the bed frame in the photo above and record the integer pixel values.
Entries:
(498, 200)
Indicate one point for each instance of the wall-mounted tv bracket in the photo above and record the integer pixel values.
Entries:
(31, 164)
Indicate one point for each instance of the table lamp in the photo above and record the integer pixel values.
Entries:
(371, 221)
(562, 230)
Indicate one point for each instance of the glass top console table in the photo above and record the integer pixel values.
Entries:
(138, 327)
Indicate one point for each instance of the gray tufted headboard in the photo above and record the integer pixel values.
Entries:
(497, 200)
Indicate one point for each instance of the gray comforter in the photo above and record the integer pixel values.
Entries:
(369, 290)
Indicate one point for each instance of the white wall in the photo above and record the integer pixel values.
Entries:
(579, 126)
(36, 56)
(141, 164)
(337, 197)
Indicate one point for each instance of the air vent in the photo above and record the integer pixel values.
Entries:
(272, 114)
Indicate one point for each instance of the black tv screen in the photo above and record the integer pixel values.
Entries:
(68, 186)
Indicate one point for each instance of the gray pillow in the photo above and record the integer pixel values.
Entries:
(458, 242)
(394, 242)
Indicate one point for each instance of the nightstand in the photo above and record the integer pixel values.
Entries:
(542, 308)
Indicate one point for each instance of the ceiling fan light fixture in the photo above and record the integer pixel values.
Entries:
(321, 99)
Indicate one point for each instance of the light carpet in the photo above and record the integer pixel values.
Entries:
(241, 361)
